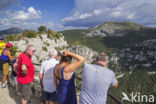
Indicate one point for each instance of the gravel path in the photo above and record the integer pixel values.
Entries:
(8, 95)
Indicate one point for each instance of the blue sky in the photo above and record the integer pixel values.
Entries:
(69, 14)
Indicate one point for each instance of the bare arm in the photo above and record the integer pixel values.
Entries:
(9, 55)
(71, 67)
(55, 79)
(41, 78)
(116, 85)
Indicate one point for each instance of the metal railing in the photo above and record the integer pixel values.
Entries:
(80, 79)
(108, 94)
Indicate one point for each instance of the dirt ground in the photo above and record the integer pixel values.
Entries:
(8, 95)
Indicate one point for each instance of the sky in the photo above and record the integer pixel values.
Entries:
(70, 14)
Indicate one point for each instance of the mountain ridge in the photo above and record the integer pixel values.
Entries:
(111, 28)
(13, 30)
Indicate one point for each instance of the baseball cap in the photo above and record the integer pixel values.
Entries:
(9, 45)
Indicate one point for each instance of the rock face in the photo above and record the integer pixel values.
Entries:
(138, 56)
(114, 29)
(141, 55)
(85, 52)
(42, 44)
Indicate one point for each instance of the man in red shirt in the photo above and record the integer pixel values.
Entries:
(25, 74)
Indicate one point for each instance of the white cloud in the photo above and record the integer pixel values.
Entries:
(78, 16)
(20, 18)
(4, 22)
(30, 14)
(116, 14)
(93, 12)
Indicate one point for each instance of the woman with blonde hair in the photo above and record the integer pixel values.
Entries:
(66, 92)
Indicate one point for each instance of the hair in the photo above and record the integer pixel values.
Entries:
(29, 47)
(102, 57)
(53, 53)
(67, 58)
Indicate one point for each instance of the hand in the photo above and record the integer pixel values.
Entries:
(65, 53)
(15, 65)
(24, 72)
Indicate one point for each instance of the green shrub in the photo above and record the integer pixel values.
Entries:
(11, 37)
(46, 43)
(40, 37)
(13, 50)
(37, 57)
(44, 49)
(40, 61)
(41, 29)
(30, 33)
(54, 35)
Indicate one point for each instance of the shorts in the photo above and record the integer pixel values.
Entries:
(15, 79)
(5, 68)
(25, 90)
(50, 96)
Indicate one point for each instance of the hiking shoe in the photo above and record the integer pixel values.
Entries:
(6, 82)
(3, 85)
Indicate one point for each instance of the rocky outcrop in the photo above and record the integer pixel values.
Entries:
(43, 44)
(85, 52)
(139, 56)
(117, 29)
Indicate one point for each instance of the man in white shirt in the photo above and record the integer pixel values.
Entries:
(46, 77)
(96, 80)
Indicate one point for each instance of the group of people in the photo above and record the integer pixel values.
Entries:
(59, 87)
(57, 77)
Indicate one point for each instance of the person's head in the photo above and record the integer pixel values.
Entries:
(9, 45)
(102, 58)
(1, 38)
(30, 50)
(53, 53)
(66, 59)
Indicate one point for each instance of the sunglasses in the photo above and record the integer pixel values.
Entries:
(32, 50)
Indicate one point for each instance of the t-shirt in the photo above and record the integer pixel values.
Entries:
(47, 68)
(26, 60)
(13, 72)
(95, 84)
(1, 49)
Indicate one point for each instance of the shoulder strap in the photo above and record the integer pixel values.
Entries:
(62, 72)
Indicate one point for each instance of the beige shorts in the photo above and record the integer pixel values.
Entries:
(6, 69)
